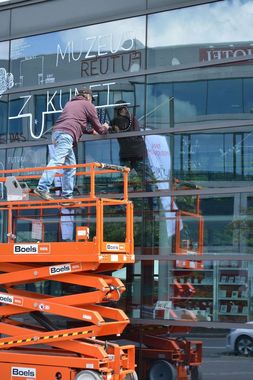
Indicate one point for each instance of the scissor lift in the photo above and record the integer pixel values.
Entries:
(166, 353)
(32, 347)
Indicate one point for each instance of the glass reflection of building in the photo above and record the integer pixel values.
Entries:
(191, 90)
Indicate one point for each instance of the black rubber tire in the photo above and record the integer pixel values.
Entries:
(162, 370)
(244, 345)
(196, 373)
(88, 375)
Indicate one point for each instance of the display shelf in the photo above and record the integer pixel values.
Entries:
(194, 290)
(233, 291)
(230, 314)
(233, 299)
(192, 298)
(194, 283)
(222, 292)
(231, 283)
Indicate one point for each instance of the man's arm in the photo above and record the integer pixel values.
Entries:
(101, 129)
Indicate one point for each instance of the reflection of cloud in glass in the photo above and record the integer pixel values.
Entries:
(4, 50)
(225, 21)
(82, 39)
(184, 110)
(6, 80)
(130, 28)
(18, 46)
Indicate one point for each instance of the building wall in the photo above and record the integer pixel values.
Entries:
(46, 15)
(187, 75)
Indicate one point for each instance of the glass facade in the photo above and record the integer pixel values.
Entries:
(187, 76)
(204, 33)
(90, 52)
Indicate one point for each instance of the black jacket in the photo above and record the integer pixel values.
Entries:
(131, 148)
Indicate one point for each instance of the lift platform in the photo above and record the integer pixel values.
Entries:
(32, 254)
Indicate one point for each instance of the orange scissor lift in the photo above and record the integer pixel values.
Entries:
(31, 345)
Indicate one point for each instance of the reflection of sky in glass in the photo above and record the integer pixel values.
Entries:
(111, 33)
(224, 21)
(4, 50)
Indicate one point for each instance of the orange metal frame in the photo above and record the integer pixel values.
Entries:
(186, 252)
(67, 351)
(183, 354)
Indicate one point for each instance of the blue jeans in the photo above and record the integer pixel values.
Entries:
(64, 155)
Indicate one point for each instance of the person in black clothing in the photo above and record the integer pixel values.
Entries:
(132, 149)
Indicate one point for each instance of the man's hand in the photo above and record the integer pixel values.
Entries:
(106, 125)
(115, 129)
(94, 132)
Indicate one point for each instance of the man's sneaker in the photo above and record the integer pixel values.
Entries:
(66, 201)
(43, 194)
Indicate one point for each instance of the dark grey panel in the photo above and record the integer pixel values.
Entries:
(61, 14)
(4, 22)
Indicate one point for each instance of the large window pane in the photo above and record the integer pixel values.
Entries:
(89, 52)
(6, 83)
(6, 78)
(209, 158)
(218, 292)
(227, 95)
(2, 167)
(3, 119)
(32, 116)
(213, 224)
(150, 171)
(27, 157)
(174, 98)
(204, 33)
(4, 54)
(198, 224)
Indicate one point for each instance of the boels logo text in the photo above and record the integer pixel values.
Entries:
(65, 268)
(23, 373)
(11, 300)
(115, 247)
(31, 249)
